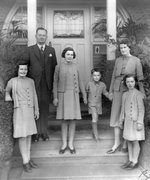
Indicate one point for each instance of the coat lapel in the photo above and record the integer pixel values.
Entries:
(46, 52)
(37, 52)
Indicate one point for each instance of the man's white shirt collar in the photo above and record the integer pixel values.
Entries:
(39, 45)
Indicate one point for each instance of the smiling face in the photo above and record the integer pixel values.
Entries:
(69, 56)
(130, 82)
(23, 70)
(124, 49)
(96, 76)
(41, 36)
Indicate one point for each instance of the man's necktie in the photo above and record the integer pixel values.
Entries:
(42, 50)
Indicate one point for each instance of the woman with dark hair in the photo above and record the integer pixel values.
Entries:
(66, 87)
(132, 120)
(125, 64)
(21, 90)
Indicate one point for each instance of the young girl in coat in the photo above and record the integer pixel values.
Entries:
(95, 88)
(132, 120)
(21, 91)
(67, 83)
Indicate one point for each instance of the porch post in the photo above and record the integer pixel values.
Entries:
(111, 27)
(31, 18)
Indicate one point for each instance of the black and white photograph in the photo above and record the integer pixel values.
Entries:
(74, 89)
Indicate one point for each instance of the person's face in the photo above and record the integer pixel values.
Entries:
(69, 56)
(130, 82)
(23, 70)
(41, 36)
(96, 76)
(124, 49)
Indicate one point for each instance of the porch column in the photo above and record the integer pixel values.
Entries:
(111, 27)
(31, 18)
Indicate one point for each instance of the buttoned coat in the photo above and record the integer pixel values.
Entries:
(36, 67)
(135, 109)
(133, 66)
(59, 80)
(132, 112)
(22, 92)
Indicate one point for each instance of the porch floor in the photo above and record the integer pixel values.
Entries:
(91, 162)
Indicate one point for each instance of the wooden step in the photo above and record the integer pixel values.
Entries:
(63, 171)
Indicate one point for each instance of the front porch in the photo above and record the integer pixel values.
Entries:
(90, 162)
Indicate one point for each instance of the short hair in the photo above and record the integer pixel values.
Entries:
(68, 49)
(41, 28)
(125, 41)
(95, 70)
(128, 76)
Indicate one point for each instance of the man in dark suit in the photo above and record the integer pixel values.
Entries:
(42, 62)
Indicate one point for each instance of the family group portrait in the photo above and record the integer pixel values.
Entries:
(74, 90)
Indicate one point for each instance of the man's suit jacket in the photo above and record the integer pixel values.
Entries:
(35, 65)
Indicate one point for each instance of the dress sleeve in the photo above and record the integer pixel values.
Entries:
(55, 82)
(8, 90)
(82, 87)
(140, 76)
(141, 109)
(36, 106)
(105, 92)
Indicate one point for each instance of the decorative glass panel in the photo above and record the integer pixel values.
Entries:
(18, 24)
(68, 24)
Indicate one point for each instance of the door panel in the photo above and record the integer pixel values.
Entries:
(80, 45)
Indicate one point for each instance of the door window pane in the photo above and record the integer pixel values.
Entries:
(68, 24)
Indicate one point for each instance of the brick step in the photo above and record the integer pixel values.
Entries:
(63, 171)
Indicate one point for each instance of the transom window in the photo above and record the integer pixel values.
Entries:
(68, 24)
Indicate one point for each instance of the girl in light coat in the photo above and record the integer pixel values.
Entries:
(21, 90)
(67, 83)
(132, 120)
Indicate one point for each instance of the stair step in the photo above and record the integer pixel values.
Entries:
(63, 171)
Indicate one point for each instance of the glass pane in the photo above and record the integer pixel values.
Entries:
(18, 24)
(68, 24)
(99, 22)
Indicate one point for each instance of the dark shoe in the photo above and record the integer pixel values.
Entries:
(33, 164)
(27, 168)
(126, 165)
(72, 151)
(62, 151)
(132, 166)
(35, 137)
(111, 151)
(45, 137)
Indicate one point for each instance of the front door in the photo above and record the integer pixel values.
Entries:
(71, 27)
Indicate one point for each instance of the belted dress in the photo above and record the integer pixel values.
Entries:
(123, 66)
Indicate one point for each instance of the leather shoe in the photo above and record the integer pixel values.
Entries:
(132, 166)
(35, 137)
(45, 137)
(33, 164)
(126, 165)
(62, 151)
(72, 151)
(111, 151)
(27, 168)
